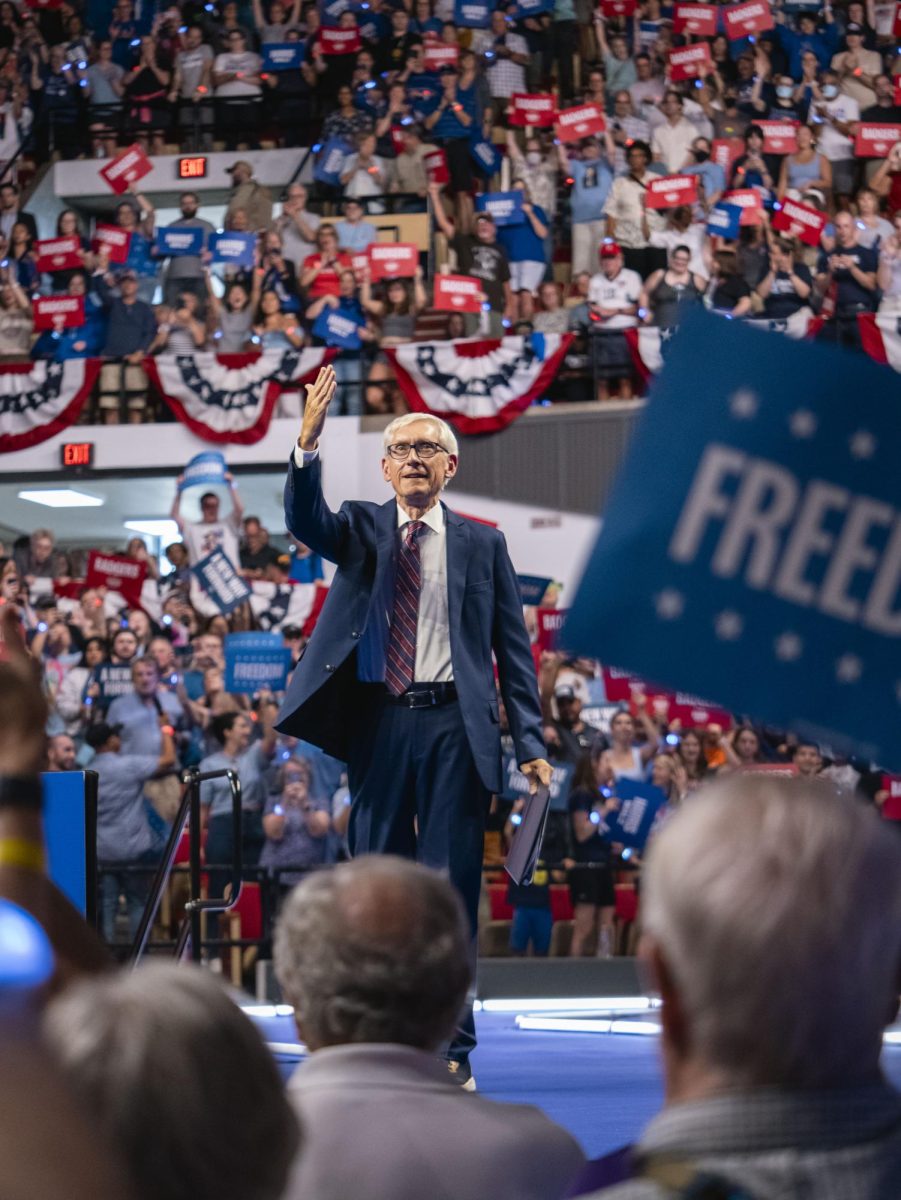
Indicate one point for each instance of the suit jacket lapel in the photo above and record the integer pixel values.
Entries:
(385, 549)
(457, 558)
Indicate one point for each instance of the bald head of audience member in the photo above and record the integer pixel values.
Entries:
(373, 951)
(771, 913)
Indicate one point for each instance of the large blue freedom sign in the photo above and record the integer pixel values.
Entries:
(751, 550)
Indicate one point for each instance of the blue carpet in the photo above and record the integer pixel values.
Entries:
(602, 1088)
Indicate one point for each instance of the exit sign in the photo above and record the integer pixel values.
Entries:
(77, 454)
(192, 168)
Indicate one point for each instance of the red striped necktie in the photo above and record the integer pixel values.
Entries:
(400, 663)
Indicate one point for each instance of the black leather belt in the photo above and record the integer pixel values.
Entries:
(425, 695)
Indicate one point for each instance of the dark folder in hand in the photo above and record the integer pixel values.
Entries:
(529, 835)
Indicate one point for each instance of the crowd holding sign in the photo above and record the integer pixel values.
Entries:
(221, 582)
(126, 169)
(697, 19)
(690, 62)
(532, 110)
(586, 120)
(761, 447)
(458, 293)
(745, 20)
(58, 312)
(256, 662)
(393, 261)
(59, 254)
(113, 242)
(504, 207)
(670, 191)
(800, 220)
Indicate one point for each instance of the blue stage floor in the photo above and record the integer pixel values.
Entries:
(602, 1087)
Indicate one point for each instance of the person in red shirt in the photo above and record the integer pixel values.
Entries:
(319, 275)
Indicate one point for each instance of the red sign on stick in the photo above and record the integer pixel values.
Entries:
(457, 293)
(118, 573)
(779, 137)
(436, 55)
(114, 241)
(393, 260)
(744, 20)
(671, 191)
(724, 152)
(126, 168)
(532, 110)
(690, 62)
(59, 254)
(340, 41)
(875, 141)
(749, 201)
(699, 19)
(58, 312)
(436, 166)
(583, 121)
(800, 220)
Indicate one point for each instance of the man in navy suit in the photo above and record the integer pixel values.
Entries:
(397, 679)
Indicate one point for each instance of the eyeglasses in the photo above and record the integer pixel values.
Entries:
(401, 450)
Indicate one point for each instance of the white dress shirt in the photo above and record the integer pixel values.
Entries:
(433, 649)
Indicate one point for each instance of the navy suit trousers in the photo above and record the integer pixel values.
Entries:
(416, 792)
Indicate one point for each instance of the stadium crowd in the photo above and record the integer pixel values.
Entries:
(138, 689)
(424, 108)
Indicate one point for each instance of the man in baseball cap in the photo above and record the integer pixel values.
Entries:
(247, 194)
(613, 306)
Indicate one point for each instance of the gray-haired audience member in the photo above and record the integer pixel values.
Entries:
(373, 955)
(771, 917)
(178, 1080)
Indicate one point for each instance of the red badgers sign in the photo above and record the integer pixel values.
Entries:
(744, 20)
(801, 221)
(437, 56)
(528, 109)
(671, 191)
(339, 41)
(393, 260)
(699, 19)
(458, 293)
(779, 137)
(126, 168)
(690, 62)
(58, 312)
(114, 241)
(875, 141)
(583, 121)
(59, 254)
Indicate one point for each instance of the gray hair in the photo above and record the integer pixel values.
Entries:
(179, 1081)
(443, 434)
(374, 950)
(776, 906)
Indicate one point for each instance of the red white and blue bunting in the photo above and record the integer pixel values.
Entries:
(231, 397)
(478, 386)
(38, 400)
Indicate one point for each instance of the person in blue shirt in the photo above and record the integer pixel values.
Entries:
(136, 714)
(451, 123)
(139, 223)
(80, 341)
(250, 759)
(349, 363)
(711, 176)
(822, 42)
(424, 22)
(124, 835)
(525, 243)
(592, 179)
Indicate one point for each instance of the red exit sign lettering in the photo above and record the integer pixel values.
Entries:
(77, 454)
(192, 168)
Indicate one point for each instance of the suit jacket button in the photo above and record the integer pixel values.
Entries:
(354, 634)
(329, 667)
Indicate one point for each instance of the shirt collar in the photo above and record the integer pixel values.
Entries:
(434, 518)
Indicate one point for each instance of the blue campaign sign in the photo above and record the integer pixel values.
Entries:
(532, 588)
(221, 582)
(235, 249)
(330, 162)
(473, 14)
(204, 470)
(175, 241)
(282, 56)
(331, 10)
(515, 783)
(256, 662)
(505, 207)
(485, 155)
(639, 804)
(763, 568)
(337, 329)
(724, 221)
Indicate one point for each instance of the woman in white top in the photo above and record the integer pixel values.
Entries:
(889, 274)
(628, 760)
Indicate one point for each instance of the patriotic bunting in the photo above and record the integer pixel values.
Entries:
(478, 386)
(230, 397)
(38, 400)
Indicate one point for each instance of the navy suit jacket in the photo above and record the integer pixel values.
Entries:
(484, 612)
